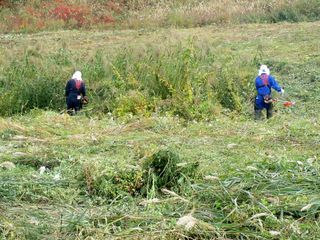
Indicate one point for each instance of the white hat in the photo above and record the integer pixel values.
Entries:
(264, 70)
(77, 75)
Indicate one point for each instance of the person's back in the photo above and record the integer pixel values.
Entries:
(75, 90)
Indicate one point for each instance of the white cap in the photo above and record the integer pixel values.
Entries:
(77, 75)
(264, 70)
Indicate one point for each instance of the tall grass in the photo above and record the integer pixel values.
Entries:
(292, 11)
(183, 80)
(30, 83)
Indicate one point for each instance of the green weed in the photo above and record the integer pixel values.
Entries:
(177, 80)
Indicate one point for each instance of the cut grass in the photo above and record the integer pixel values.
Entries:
(265, 174)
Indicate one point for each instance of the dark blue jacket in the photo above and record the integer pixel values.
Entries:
(73, 91)
(264, 90)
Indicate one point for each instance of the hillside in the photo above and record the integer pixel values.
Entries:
(51, 15)
(171, 165)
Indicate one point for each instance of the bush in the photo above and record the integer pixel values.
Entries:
(134, 103)
(179, 78)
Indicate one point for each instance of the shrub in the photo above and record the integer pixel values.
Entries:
(228, 91)
(73, 16)
(134, 102)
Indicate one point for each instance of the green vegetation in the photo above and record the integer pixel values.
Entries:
(195, 74)
(182, 80)
(167, 147)
(254, 180)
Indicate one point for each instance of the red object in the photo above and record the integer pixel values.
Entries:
(78, 84)
(288, 104)
(71, 12)
(265, 79)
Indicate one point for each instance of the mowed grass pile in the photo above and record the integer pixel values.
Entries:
(160, 173)
(38, 15)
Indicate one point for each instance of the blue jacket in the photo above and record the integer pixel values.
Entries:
(264, 90)
(72, 91)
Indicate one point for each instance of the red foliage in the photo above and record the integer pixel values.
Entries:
(36, 17)
(106, 19)
(70, 12)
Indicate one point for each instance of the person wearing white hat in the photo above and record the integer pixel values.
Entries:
(264, 83)
(75, 92)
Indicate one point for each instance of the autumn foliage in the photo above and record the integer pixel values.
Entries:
(68, 13)
(57, 14)
(37, 15)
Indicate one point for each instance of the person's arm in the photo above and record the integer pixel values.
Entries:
(67, 90)
(257, 83)
(274, 84)
(83, 89)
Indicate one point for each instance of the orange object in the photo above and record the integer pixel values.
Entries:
(288, 104)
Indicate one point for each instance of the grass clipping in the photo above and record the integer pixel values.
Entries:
(164, 169)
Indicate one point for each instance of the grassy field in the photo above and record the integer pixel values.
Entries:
(167, 70)
(228, 176)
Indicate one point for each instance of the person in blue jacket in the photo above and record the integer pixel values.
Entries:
(264, 83)
(75, 93)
